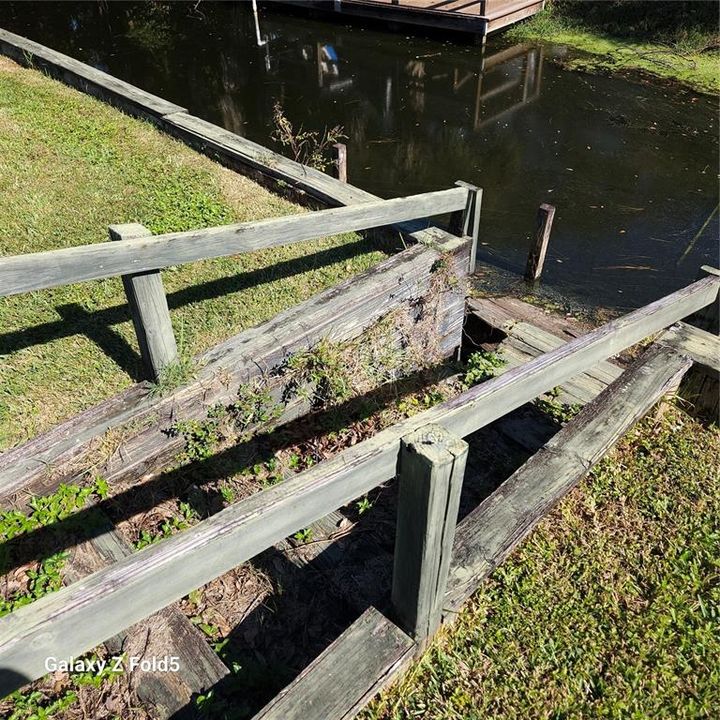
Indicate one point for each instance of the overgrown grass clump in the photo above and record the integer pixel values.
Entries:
(611, 608)
(671, 40)
(69, 167)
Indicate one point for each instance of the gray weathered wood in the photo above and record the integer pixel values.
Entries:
(538, 249)
(340, 314)
(703, 347)
(337, 684)
(709, 317)
(469, 221)
(35, 271)
(487, 535)
(701, 385)
(340, 160)
(148, 308)
(431, 469)
(167, 633)
(85, 77)
(159, 575)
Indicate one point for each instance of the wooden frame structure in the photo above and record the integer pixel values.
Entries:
(84, 614)
(138, 256)
(438, 564)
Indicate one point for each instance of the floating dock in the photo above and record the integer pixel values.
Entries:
(480, 17)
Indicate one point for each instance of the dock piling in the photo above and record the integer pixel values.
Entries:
(538, 249)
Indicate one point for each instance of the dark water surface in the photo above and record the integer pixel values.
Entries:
(631, 167)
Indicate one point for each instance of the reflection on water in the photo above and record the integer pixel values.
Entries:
(631, 168)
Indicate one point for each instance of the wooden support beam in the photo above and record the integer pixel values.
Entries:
(37, 271)
(158, 575)
(338, 683)
(701, 386)
(431, 470)
(538, 249)
(340, 161)
(488, 534)
(148, 309)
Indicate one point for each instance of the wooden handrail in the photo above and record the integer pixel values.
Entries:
(139, 585)
(38, 271)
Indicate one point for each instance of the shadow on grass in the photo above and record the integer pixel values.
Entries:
(97, 325)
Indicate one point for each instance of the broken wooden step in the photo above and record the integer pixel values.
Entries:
(168, 634)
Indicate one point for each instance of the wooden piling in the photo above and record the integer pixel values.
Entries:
(538, 249)
(148, 308)
(432, 465)
(340, 161)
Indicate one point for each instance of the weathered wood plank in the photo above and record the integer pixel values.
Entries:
(347, 674)
(487, 535)
(159, 575)
(148, 309)
(431, 468)
(36, 271)
(167, 633)
(85, 77)
(703, 347)
(340, 313)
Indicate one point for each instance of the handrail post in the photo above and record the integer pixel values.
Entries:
(467, 222)
(148, 308)
(431, 469)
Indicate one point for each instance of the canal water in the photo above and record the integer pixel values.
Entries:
(631, 166)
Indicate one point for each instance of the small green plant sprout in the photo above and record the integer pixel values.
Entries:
(201, 436)
(182, 521)
(173, 376)
(309, 147)
(47, 578)
(363, 505)
(48, 509)
(227, 493)
(482, 365)
(303, 536)
(322, 370)
(558, 411)
(254, 405)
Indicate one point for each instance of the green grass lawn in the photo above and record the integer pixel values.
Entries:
(610, 609)
(682, 58)
(69, 167)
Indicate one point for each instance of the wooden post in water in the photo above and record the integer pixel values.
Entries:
(148, 308)
(432, 465)
(340, 161)
(538, 249)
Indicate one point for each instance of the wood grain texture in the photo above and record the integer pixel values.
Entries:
(148, 308)
(431, 470)
(167, 633)
(347, 674)
(488, 534)
(703, 347)
(157, 576)
(36, 271)
(340, 313)
(85, 77)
